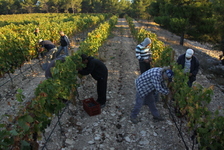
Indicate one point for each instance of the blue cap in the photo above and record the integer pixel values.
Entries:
(169, 74)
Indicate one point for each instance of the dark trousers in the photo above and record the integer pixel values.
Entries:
(102, 90)
(191, 80)
(144, 66)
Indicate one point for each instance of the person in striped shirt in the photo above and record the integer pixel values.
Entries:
(146, 84)
(143, 54)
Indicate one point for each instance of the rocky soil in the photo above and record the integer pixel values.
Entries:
(112, 129)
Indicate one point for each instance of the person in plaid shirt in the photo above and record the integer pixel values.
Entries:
(146, 84)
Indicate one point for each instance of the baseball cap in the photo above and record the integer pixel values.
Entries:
(189, 53)
(40, 40)
(170, 75)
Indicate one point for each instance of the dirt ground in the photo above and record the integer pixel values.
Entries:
(112, 128)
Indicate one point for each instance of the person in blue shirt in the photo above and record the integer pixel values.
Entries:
(146, 84)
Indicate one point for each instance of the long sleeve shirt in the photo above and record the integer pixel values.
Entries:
(142, 52)
(47, 44)
(96, 68)
(151, 80)
(64, 40)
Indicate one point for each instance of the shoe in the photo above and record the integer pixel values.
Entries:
(159, 118)
(102, 105)
(134, 120)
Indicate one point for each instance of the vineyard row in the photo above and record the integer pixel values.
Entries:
(19, 44)
(192, 103)
(33, 118)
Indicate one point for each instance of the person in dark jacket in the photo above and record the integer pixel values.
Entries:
(64, 44)
(99, 72)
(46, 45)
(48, 49)
(190, 65)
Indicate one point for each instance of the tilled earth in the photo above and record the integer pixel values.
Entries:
(112, 129)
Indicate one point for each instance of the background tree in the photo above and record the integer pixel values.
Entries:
(123, 7)
(97, 6)
(3, 7)
(15, 6)
(28, 6)
(43, 6)
(74, 5)
(190, 17)
(54, 5)
(139, 8)
(110, 6)
(10, 6)
(87, 6)
(218, 8)
(106, 6)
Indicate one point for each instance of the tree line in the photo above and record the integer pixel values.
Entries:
(202, 20)
(63, 6)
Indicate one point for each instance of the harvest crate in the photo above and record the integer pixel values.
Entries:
(91, 106)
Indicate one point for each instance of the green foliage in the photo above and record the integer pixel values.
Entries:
(154, 9)
(19, 44)
(19, 95)
(139, 9)
(162, 21)
(96, 38)
(210, 133)
(207, 25)
(186, 17)
(23, 120)
(63, 6)
(164, 57)
(178, 25)
(5, 137)
(25, 145)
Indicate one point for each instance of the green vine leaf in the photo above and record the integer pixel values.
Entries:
(14, 132)
(19, 95)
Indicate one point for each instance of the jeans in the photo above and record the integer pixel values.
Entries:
(65, 48)
(156, 96)
(148, 100)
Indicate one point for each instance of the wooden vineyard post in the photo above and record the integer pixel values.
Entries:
(72, 96)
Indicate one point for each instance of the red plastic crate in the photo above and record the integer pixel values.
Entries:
(91, 107)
